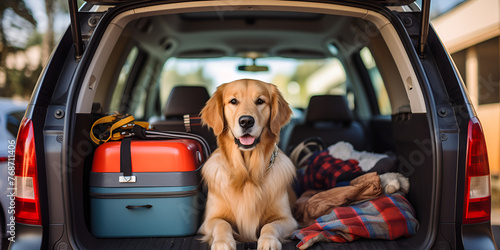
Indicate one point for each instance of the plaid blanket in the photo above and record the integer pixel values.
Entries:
(324, 171)
(385, 217)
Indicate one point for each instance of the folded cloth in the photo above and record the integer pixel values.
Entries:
(315, 203)
(388, 217)
(393, 182)
(368, 161)
(324, 171)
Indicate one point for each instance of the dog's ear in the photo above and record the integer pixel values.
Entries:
(212, 114)
(280, 110)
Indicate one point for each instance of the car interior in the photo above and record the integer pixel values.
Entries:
(346, 75)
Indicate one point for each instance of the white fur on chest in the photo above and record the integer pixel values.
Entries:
(247, 208)
(248, 204)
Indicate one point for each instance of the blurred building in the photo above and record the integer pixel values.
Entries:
(471, 34)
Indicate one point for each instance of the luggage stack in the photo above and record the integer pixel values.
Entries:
(146, 188)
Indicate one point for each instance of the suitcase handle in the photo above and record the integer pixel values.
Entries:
(135, 207)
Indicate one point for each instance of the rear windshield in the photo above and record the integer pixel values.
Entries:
(298, 79)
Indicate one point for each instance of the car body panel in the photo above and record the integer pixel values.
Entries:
(7, 142)
(437, 98)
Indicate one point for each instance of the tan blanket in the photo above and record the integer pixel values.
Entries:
(313, 204)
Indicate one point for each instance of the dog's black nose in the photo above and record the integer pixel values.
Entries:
(246, 121)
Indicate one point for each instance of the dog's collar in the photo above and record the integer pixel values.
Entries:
(273, 157)
(271, 161)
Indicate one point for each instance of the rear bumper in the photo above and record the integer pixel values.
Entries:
(27, 237)
(478, 236)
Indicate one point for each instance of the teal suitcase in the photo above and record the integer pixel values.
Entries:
(145, 212)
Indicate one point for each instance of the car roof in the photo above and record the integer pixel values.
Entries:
(384, 2)
(8, 105)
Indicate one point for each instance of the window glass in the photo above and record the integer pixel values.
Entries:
(138, 104)
(459, 58)
(384, 104)
(297, 79)
(116, 100)
(13, 120)
(488, 69)
(142, 91)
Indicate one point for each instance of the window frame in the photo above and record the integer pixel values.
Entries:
(366, 82)
(130, 81)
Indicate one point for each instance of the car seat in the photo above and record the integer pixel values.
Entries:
(330, 118)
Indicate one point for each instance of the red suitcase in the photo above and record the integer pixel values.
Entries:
(178, 155)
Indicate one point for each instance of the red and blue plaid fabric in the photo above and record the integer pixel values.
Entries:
(385, 217)
(324, 171)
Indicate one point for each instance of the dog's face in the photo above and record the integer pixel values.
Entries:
(247, 111)
(245, 108)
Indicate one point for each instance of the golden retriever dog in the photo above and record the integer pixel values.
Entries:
(248, 177)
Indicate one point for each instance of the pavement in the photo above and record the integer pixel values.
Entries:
(495, 216)
(495, 224)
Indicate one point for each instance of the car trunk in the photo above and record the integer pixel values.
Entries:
(414, 150)
(408, 134)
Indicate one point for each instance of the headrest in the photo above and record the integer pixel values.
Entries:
(186, 100)
(328, 108)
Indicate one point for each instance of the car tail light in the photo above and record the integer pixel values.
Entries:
(4, 158)
(477, 205)
(26, 176)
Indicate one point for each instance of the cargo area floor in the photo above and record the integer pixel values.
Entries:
(193, 242)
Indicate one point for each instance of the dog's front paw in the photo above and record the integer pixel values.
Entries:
(224, 245)
(268, 243)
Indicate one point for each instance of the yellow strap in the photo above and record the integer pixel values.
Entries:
(129, 120)
(115, 137)
(109, 119)
(105, 119)
(121, 123)
(117, 125)
(142, 124)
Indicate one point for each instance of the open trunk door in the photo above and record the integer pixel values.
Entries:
(78, 44)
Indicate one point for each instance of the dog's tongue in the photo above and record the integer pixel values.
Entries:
(247, 140)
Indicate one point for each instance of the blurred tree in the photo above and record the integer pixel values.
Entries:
(19, 7)
(7, 46)
(52, 7)
(48, 39)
